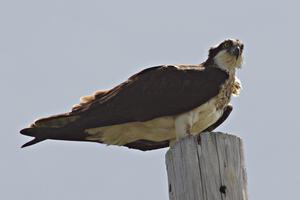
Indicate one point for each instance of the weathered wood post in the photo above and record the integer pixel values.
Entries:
(207, 167)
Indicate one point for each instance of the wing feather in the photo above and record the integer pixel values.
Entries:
(154, 92)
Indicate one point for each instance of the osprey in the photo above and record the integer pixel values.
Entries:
(154, 107)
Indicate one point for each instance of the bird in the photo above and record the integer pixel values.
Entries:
(155, 107)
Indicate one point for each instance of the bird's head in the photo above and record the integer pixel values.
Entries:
(227, 55)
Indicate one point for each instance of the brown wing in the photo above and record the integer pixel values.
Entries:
(151, 93)
(154, 92)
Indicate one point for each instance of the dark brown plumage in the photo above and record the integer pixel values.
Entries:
(154, 92)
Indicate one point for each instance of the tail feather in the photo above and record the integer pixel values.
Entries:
(43, 133)
(52, 127)
(40, 134)
(32, 142)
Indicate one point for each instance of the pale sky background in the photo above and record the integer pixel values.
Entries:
(53, 52)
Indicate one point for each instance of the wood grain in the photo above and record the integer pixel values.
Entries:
(207, 167)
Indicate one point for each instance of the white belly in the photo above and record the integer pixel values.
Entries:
(197, 120)
(159, 129)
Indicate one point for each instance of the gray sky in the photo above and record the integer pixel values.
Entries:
(53, 52)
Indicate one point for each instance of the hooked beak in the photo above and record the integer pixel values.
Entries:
(235, 50)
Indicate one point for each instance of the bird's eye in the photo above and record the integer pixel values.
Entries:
(226, 44)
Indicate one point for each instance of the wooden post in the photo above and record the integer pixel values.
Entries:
(207, 167)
